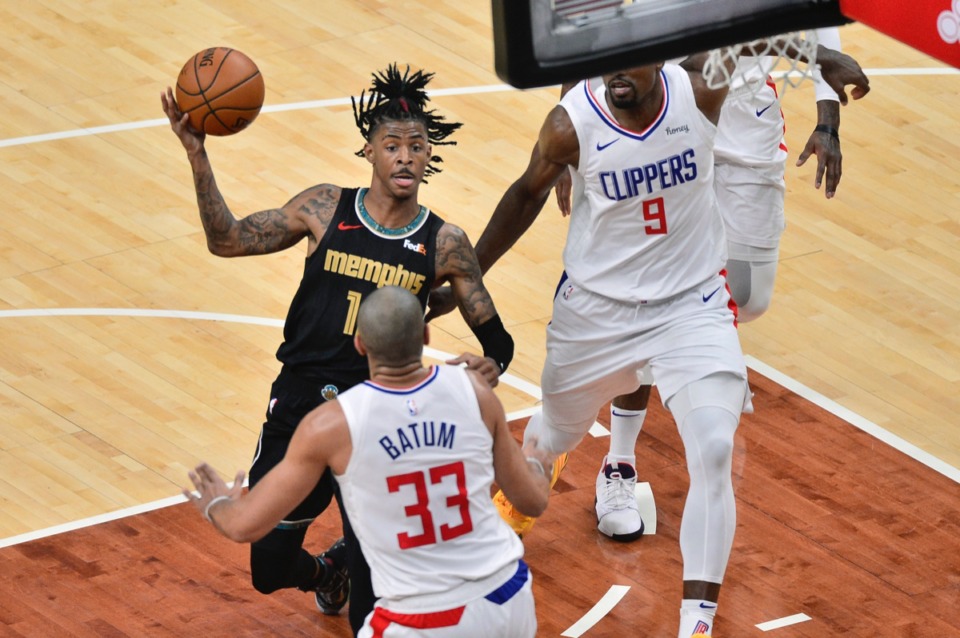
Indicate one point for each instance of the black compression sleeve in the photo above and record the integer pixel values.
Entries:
(496, 341)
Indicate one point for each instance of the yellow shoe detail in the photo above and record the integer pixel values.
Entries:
(558, 466)
(521, 523)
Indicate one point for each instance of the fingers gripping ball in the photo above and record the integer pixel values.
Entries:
(221, 90)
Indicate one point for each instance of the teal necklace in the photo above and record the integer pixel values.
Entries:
(393, 232)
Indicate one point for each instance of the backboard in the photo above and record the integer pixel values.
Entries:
(546, 42)
(931, 26)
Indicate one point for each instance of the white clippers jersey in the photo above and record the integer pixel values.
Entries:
(417, 488)
(645, 224)
(751, 127)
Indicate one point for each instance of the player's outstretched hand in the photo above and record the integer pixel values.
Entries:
(191, 138)
(838, 70)
(829, 160)
(486, 366)
(440, 302)
(209, 486)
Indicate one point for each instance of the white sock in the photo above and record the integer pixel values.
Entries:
(696, 617)
(625, 428)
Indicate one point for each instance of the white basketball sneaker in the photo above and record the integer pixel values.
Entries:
(617, 513)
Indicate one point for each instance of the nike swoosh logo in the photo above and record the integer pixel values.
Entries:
(707, 298)
(706, 606)
(600, 146)
(764, 109)
(343, 226)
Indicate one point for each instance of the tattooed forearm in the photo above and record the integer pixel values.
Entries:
(457, 263)
(264, 232)
(214, 214)
(218, 222)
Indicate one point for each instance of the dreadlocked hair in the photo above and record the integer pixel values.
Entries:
(395, 97)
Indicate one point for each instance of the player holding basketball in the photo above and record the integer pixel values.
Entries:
(358, 240)
(415, 451)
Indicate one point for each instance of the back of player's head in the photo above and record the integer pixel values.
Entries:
(390, 324)
(397, 97)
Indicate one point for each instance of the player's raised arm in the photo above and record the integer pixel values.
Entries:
(263, 232)
(556, 148)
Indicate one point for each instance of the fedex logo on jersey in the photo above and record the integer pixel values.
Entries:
(419, 435)
(643, 180)
(417, 248)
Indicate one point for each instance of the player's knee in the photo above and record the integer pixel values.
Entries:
(269, 570)
(556, 437)
(762, 277)
(738, 281)
(264, 582)
(712, 430)
(709, 443)
(707, 413)
(754, 308)
(751, 286)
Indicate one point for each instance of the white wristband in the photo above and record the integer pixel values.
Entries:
(214, 501)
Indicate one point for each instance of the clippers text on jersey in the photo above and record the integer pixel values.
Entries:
(671, 171)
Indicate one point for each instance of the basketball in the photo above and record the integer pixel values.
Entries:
(221, 90)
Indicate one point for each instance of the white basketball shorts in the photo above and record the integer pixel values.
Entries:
(507, 612)
(751, 204)
(596, 348)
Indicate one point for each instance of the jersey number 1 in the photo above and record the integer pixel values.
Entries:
(421, 509)
(353, 307)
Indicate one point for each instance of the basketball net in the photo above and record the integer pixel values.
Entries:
(791, 72)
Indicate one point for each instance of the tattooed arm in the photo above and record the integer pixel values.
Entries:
(457, 264)
(267, 231)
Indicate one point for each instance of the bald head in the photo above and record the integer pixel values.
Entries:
(390, 324)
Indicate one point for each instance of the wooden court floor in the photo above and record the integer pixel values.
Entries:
(832, 524)
(129, 353)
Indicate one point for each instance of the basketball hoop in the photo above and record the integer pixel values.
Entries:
(800, 44)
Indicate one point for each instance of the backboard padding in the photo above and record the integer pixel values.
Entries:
(537, 45)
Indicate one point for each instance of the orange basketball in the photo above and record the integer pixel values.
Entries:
(221, 90)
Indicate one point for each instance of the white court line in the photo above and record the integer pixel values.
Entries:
(138, 312)
(141, 509)
(780, 623)
(601, 609)
(316, 104)
(93, 520)
(275, 108)
(890, 72)
(506, 379)
(519, 414)
(99, 518)
(856, 420)
(616, 592)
